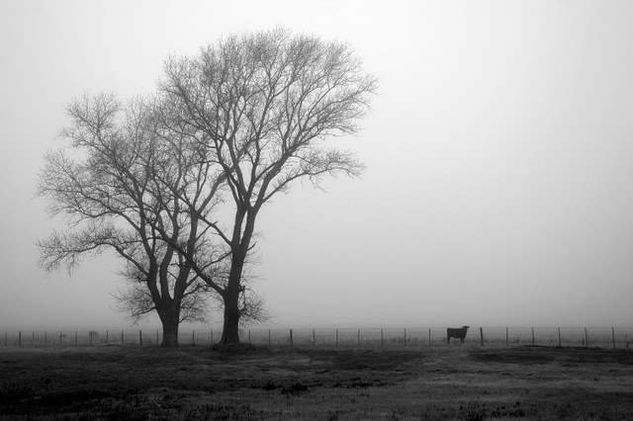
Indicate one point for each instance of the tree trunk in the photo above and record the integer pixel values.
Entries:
(170, 331)
(230, 329)
(231, 296)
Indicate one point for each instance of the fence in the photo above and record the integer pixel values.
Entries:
(418, 337)
(611, 337)
(39, 338)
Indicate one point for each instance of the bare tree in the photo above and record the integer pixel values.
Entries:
(125, 185)
(262, 107)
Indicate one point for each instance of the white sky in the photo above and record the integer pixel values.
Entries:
(498, 150)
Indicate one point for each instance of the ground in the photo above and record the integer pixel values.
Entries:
(190, 383)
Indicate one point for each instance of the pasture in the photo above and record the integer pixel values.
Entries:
(459, 382)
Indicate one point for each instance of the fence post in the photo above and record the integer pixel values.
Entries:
(90, 338)
(405, 336)
(481, 336)
(269, 338)
(291, 343)
(193, 337)
(45, 339)
(586, 339)
(613, 336)
(249, 337)
(336, 337)
(533, 338)
(107, 336)
(122, 337)
(560, 344)
(60, 337)
(313, 337)
(358, 338)
(6, 339)
(429, 336)
(32, 337)
(76, 337)
(507, 341)
(140, 337)
(382, 337)
(20, 339)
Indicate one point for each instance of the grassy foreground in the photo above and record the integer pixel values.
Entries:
(190, 383)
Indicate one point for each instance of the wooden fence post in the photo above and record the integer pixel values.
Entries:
(613, 336)
(533, 338)
(60, 337)
(193, 337)
(107, 336)
(269, 338)
(336, 337)
(20, 339)
(140, 337)
(507, 339)
(6, 339)
(313, 337)
(382, 337)
(249, 337)
(358, 338)
(586, 339)
(429, 336)
(45, 339)
(122, 337)
(405, 336)
(32, 337)
(560, 344)
(481, 336)
(76, 337)
(291, 343)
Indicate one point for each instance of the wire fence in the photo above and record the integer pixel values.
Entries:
(605, 337)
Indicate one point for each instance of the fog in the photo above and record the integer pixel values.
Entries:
(498, 152)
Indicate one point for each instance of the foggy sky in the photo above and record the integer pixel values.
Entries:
(498, 150)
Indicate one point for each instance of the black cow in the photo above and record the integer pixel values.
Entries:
(457, 333)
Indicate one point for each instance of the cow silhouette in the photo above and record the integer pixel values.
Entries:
(457, 333)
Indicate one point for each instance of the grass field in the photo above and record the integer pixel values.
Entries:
(190, 383)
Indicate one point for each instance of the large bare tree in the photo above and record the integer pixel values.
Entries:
(131, 182)
(263, 107)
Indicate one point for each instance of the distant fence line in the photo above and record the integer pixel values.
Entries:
(335, 337)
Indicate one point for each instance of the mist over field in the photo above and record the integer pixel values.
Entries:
(498, 154)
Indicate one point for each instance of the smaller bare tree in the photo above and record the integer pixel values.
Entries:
(117, 186)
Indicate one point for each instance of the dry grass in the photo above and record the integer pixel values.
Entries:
(447, 382)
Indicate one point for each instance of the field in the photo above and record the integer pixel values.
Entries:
(460, 382)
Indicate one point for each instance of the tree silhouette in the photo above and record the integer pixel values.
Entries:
(264, 108)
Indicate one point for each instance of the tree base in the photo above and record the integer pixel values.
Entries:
(170, 338)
